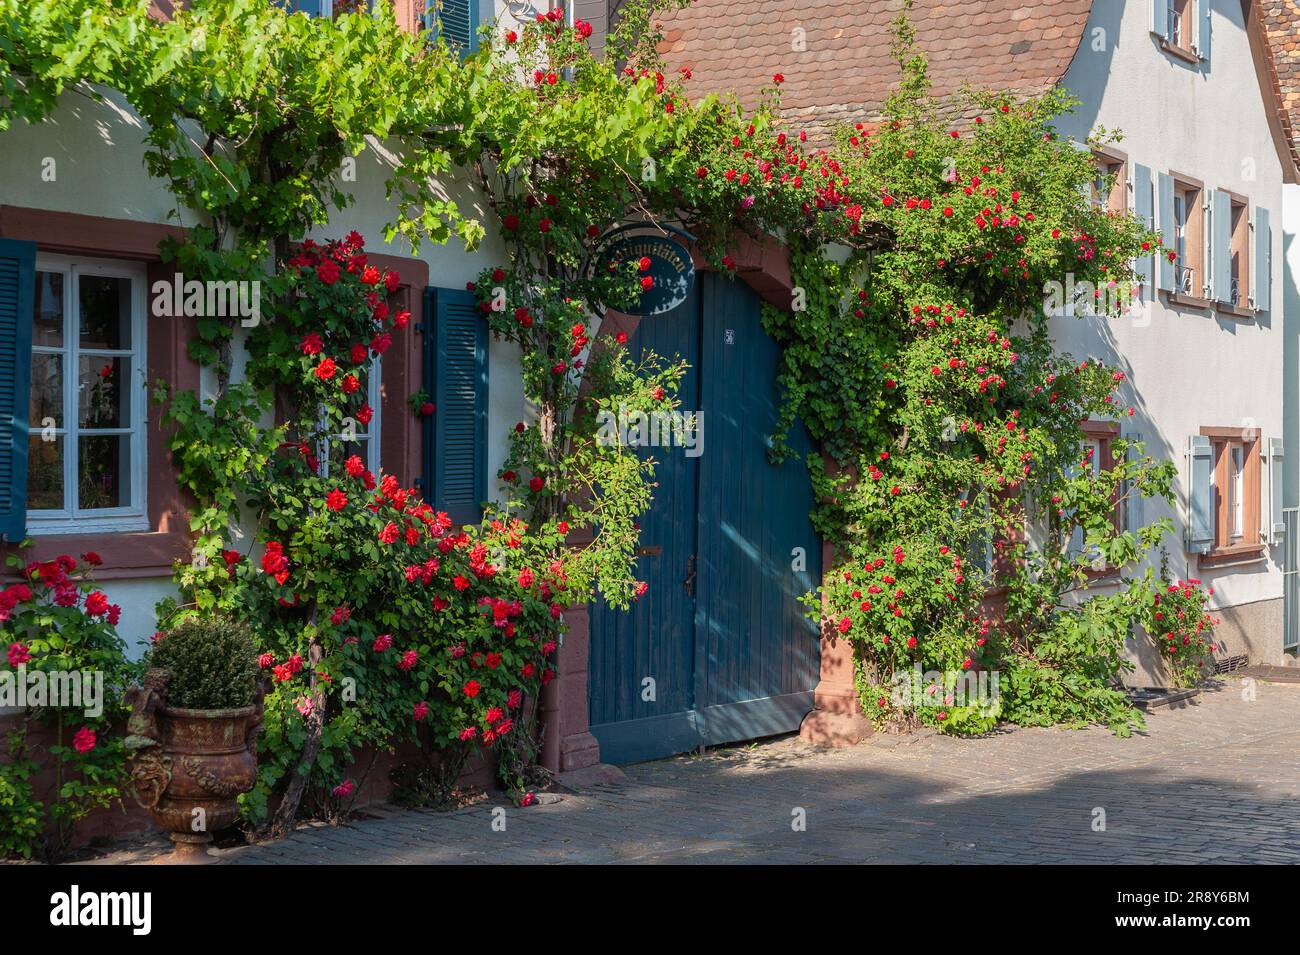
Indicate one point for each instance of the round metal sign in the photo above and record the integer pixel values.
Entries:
(670, 266)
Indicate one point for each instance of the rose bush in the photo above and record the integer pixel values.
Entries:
(57, 627)
(1178, 619)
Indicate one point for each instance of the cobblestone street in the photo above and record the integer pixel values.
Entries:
(1216, 780)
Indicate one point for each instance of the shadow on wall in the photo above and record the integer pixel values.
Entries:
(1089, 72)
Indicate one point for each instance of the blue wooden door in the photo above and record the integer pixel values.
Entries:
(718, 649)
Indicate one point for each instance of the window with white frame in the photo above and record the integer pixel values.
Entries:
(86, 451)
(360, 432)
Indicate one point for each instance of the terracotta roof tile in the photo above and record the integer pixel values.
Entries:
(845, 70)
(1281, 35)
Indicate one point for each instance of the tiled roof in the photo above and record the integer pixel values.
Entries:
(845, 70)
(1281, 19)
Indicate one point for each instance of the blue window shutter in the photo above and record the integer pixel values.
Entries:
(1276, 492)
(1160, 17)
(313, 8)
(456, 369)
(1221, 245)
(17, 291)
(1132, 517)
(1200, 496)
(1203, 32)
(1142, 207)
(1263, 260)
(1165, 226)
(456, 21)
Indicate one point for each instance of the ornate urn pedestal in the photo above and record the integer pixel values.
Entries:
(189, 766)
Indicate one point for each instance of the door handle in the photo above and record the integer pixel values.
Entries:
(689, 582)
(653, 550)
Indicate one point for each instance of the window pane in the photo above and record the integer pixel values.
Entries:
(104, 463)
(44, 473)
(47, 392)
(105, 392)
(48, 318)
(105, 311)
(340, 451)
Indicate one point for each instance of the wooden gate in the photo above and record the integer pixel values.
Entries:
(719, 648)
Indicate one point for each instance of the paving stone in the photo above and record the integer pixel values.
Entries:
(1216, 780)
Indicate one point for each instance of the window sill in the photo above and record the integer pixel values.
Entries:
(1187, 56)
(1233, 554)
(1187, 301)
(1106, 575)
(134, 554)
(1236, 311)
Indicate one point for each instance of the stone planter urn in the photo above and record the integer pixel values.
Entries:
(189, 766)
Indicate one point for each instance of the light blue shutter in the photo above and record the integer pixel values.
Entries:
(1132, 517)
(456, 370)
(17, 291)
(1200, 496)
(1276, 491)
(313, 8)
(456, 21)
(1203, 33)
(1160, 17)
(1165, 226)
(1221, 245)
(1142, 207)
(1263, 260)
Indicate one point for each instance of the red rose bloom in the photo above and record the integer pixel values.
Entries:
(97, 604)
(328, 271)
(325, 370)
(83, 741)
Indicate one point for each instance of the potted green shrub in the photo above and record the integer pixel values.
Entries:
(192, 730)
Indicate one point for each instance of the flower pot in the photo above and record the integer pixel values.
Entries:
(189, 768)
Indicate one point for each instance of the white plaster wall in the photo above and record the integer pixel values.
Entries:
(1188, 368)
(99, 169)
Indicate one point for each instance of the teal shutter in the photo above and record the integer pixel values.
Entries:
(1200, 496)
(1143, 208)
(17, 291)
(1203, 31)
(455, 21)
(1273, 523)
(1160, 17)
(455, 374)
(1165, 226)
(1221, 245)
(1263, 260)
(313, 8)
(1132, 516)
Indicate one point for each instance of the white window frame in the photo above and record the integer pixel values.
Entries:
(372, 433)
(75, 519)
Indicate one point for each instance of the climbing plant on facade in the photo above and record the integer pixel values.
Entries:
(918, 355)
